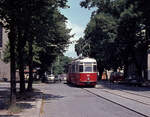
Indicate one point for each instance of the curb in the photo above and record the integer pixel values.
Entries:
(39, 104)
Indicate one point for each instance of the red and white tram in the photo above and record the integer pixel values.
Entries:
(82, 72)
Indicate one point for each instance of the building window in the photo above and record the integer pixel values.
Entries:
(1, 31)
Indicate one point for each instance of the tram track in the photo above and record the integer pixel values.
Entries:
(135, 94)
(127, 97)
(91, 92)
(125, 90)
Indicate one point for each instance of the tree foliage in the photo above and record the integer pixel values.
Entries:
(117, 33)
(37, 31)
(60, 66)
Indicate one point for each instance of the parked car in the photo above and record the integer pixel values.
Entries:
(51, 77)
(134, 79)
(57, 79)
(63, 77)
(116, 76)
(44, 78)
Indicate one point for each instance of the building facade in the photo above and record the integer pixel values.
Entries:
(4, 67)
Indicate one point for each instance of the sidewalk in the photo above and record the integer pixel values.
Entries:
(30, 105)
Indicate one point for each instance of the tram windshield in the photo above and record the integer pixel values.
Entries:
(88, 68)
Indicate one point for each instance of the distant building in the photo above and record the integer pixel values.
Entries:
(4, 68)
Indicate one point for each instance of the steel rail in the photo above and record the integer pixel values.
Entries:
(115, 103)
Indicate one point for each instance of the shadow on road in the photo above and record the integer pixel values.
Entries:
(4, 98)
(37, 94)
(52, 97)
(77, 86)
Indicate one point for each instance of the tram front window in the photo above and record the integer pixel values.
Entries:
(88, 69)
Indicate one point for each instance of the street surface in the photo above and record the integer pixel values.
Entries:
(62, 100)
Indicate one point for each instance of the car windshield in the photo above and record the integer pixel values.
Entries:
(51, 75)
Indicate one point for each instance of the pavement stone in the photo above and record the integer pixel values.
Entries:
(33, 112)
(31, 107)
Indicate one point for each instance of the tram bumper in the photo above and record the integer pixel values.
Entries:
(87, 83)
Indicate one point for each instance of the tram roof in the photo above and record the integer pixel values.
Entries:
(86, 59)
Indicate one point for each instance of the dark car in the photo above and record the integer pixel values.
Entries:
(116, 77)
(134, 79)
(44, 78)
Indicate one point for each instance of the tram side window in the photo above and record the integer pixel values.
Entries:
(94, 68)
(76, 67)
(80, 68)
(70, 69)
(73, 68)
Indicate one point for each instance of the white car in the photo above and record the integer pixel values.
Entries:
(63, 77)
(51, 77)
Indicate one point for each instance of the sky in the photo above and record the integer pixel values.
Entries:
(78, 18)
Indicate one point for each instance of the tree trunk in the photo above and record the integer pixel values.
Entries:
(30, 65)
(148, 47)
(12, 39)
(137, 65)
(21, 44)
(100, 69)
(126, 65)
(21, 71)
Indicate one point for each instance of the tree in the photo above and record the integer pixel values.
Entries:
(56, 41)
(82, 47)
(6, 14)
(60, 65)
(132, 42)
(99, 36)
(23, 21)
(132, 20)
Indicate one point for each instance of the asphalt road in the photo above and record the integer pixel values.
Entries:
(62, 100)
